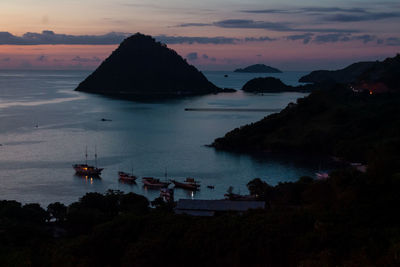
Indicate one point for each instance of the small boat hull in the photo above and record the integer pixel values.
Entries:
(123, 176)
(87, 170)
(154, 183)
(188, 186)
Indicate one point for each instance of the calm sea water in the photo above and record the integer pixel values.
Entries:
(45, 127)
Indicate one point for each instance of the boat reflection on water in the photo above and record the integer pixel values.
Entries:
(88, 179)
(191, 194)
(127, 182)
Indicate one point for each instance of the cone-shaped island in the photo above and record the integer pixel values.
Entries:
(142, 67)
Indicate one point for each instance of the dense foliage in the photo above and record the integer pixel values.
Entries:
(350, 219)
(142, 67)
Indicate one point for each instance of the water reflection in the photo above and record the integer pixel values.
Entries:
(88, 179)
(122, 181)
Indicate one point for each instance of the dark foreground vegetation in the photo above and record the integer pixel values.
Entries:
(350, 219)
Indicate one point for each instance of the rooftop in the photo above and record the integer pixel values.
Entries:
(209, 207)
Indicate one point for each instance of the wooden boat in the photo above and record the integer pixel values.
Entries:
(189, 184)
(154, 182)
(88, 170)
(123, 176)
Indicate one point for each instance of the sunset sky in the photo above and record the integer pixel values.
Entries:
(214, 35)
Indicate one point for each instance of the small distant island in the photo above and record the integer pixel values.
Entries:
(271, 85)
(259, 68)
(142, 67)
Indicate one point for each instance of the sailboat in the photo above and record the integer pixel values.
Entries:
(189, 184)
(88, 170)
(126, 177)
(152, 182)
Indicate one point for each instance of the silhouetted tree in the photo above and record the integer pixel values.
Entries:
(260, 189)
(58, 211)
(35, 213)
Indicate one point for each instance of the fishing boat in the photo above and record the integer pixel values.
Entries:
(88, 170)
(154, 182)
(123, 176)
(189, 184)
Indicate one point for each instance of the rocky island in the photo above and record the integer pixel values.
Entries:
(258, 68)
(271, 85)
(142, 67)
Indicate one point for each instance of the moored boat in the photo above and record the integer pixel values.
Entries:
(123, 176)
(154, 182)
(88, 170)
(189, 184)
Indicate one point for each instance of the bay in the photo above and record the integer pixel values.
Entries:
(45, 127)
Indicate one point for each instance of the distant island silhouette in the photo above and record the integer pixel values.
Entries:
(259, 68)
(142, 67)
(346, 75)
(272, 85)
(373, 76)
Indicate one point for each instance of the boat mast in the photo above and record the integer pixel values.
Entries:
(95, 155)
(86, 155)
(165, 174)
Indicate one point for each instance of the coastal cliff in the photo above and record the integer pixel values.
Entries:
(142, 67)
